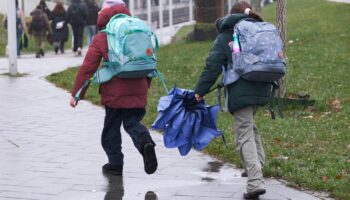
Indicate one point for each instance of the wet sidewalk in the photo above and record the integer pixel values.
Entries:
(51, 151)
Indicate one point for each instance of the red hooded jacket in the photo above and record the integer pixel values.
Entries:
(118, 92)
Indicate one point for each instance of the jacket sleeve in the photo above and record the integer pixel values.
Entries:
(90, 65)
(213, 68)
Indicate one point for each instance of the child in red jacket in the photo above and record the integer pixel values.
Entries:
(124, 99)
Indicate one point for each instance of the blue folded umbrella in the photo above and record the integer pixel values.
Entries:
(186, 122)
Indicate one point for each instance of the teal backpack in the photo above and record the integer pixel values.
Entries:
(132, 50)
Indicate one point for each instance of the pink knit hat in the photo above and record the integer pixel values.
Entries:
(110, 3)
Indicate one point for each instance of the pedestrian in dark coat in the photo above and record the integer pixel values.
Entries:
(243, 98)
(59, 27)
(124, 99)
(90, 27)
(77, 15)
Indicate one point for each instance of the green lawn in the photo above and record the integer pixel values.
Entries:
(310, 148)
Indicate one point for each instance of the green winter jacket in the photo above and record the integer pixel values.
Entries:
(241, 93)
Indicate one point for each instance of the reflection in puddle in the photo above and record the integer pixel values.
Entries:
(213, 166)
(207, 179)
(150, 195)
(115, 189)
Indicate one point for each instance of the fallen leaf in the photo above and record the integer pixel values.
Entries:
(325, 178)
(335, 105)
(339, 177)
(274, 155)
(277, 140)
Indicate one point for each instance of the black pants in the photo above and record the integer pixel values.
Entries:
(111, 136)
(78, 34)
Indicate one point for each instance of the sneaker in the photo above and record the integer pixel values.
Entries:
(149, 158)
(255, 194)
(79, 51)
(115, 170)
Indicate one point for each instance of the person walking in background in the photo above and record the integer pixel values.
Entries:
(91, 20)
(59, 27)
(46, 9)
(21, 26)
(243, 99)
(39, 28)
(124, 99)
(77, 16)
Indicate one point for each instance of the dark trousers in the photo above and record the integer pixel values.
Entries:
(78, 31)
(111, 136)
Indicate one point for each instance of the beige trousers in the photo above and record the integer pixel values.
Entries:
(249, 147)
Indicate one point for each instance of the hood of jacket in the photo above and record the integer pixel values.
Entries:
(227, 22)
(107, 13)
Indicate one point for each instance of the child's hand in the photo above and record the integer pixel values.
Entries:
(198, 97)
(73, 102)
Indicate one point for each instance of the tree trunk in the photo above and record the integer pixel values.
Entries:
(206, 13)
(282, 27)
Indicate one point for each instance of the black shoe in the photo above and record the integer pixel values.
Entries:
(149, 158)
(56, 50)
(42, 52)
(244, 174)
(37, 55)
(115, 170)
(255, 194)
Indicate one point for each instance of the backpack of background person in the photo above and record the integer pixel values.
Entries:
(76, 14)
(92, 10)
(38, 22)
(261, 56)
(132, 48)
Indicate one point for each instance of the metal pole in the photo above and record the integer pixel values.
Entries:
(170, 13)
(229, 6)
(161, 20)
(132, 7)
(191, 10)
(23, 7)
(12, 37)
(149, 13)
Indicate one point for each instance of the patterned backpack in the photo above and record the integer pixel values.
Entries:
(261, 56)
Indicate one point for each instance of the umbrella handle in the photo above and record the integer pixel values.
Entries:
(219, 85)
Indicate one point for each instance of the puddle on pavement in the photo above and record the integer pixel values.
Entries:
(115, 189)
(213, 166)
(208, 179)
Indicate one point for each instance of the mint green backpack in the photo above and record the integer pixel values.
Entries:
(132, 51)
